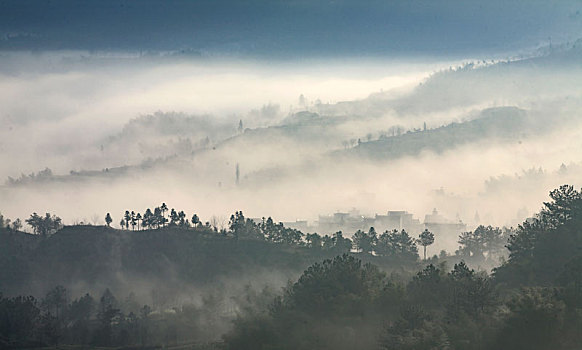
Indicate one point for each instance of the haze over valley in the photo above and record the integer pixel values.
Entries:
(291, 174)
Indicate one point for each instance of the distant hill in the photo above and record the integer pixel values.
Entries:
(493, 124)
(550, 72)
(387, 125)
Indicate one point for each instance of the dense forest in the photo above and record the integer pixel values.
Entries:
(84, 285)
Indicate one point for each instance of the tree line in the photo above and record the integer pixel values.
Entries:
(398, 244)
(484, 244)
(154, 219)
(104, 321)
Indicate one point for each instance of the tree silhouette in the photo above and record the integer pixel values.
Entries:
(55, 302)
(365, 241)
(20, 320)
(314, 240)
(106, 312)
(551, 239)
(127, 218)
(182, 221)
(536, 317)
(147, 220)
(164, 209)
(16, 224)
(483, 240)
(195, 220)
(133, 220)
(174, 218)
(397, 244)
(426, 238)
(244, 228)
(138, 219)
(44, 225)
(158, 217)
(108, 220)
(340, 243)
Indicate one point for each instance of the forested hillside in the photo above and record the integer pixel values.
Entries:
(532, 301)
(353, 293)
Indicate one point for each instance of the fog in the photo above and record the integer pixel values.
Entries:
(175, 123)
(443, 124)
(69, 108)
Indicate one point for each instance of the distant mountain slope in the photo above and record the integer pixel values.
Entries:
(546, 86)
(553, 71)
(494, 124)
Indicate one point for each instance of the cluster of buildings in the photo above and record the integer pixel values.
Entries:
(350, 222)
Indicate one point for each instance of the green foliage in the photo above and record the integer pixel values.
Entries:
(484, 243)
(46, 225)
(365, 241)
(429, 288)
(278, 233)
(425, 239)
(242, 228)
(534, 321)
(471, 293)
(314, 240)
(18, 318)
(336, 286)
(342, 304)
(570, 279)
(335, 244)
(328, 298)
(558, 228)
(414, 330)
(16, 225)
(398, 246)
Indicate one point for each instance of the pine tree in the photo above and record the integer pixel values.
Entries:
(108, 220)
(426, 238)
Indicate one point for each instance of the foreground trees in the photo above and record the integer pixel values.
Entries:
(321, 310)
(26, 322)
(549, 246)
(345, 304)
(532, 301)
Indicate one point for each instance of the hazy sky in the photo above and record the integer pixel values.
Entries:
(290, 29)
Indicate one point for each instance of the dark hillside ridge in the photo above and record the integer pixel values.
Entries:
(92, 258)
